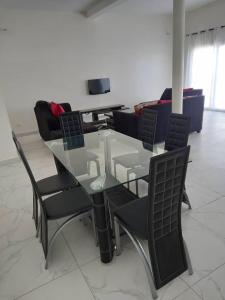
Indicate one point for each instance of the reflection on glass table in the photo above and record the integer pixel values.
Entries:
(101, 147)
(135, 163)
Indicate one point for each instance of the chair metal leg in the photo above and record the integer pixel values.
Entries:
(38, 227)
(144, 259)
(94, 227)
(190, 269)
(186, 199)
(117, 236)
(35, 209)
(40, 238)
(60, 228)
(44, 233)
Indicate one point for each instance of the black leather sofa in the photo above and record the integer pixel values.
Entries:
(128, 123)
(49, 125)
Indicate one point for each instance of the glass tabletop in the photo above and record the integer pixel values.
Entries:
(100, 160)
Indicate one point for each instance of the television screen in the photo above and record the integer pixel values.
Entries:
(99, 86)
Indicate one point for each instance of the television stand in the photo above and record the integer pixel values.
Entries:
(95, 111)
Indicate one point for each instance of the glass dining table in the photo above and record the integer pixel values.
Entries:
(90, 159)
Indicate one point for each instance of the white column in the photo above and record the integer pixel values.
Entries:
(178, 54)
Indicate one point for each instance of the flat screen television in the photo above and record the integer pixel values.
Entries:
(99, 86)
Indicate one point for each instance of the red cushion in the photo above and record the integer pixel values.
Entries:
(164, 101)
(56, 109)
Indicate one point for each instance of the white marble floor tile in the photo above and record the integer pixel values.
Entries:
(16, 181)
(80, 239)
(188, 295)
(69, 287)
(212, 287)
(200, 196)
(12, 169)
(207, 251)
(211, 178)
(20, 198)
(125, 278)
(22, 266)
(15, 227)
(212, 216)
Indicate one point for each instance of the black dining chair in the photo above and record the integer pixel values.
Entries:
(177, 132)
(146, 133)
(177, 137)
(49, 185)
(71, 203)
(72, 125)
(147, 127)
(157, 219)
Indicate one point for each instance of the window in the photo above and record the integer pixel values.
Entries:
(219, 98)
(205, 66)
(202, 71)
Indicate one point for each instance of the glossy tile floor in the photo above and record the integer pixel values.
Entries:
(75, 271)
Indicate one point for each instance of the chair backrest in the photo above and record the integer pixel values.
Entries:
(27, 166)
(71, 124)
(167, 176)
(126, 123)
(147, 126)
(177, 132)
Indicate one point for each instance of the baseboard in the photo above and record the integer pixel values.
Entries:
(22, 134)
(9, 161)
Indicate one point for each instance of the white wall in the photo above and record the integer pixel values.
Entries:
(7, 148)
(50, 55)
(211, 15)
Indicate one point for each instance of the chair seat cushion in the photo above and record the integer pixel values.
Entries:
(134, 216)
(74, 201)
(119, 196)
(55, 183)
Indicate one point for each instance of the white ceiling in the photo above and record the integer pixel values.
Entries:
(139, 6)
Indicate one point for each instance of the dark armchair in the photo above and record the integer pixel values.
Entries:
(49, 125)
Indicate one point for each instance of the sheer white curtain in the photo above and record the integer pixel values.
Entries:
(205, 66)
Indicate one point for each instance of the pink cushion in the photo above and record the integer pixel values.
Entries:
(56, 109)
(139, 107)
(164, 101)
